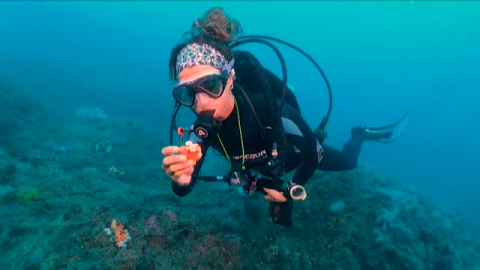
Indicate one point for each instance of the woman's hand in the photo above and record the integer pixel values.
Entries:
(177, 166)
(274, 195)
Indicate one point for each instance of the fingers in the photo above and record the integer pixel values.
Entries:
(184, 180)
(181, 168)
(170, 150)
(269, 191)
(268, 197)
(170, 160)
(173, 164)
(199, 156)
(274, 195)
(186, 171)
(177, 166)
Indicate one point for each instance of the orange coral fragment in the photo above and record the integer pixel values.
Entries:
(121, 235)
(171, 215)
(191, 150)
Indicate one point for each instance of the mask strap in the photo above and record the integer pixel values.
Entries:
(227, 68)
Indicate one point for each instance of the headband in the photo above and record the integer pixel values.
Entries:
(202, 54)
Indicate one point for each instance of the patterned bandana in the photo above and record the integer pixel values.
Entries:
(201, 54)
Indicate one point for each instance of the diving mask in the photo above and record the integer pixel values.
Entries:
(212, 85)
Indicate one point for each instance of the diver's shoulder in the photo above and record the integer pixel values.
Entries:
(257, 99)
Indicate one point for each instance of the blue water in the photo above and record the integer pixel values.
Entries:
(382, 59)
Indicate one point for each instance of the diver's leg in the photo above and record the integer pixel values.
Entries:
(336, 160)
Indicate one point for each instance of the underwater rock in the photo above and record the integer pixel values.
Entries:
(90, 115)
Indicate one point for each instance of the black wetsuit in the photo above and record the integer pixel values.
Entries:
(304, 153)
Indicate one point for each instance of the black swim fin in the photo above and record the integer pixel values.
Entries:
(281, 213)
(383, 134)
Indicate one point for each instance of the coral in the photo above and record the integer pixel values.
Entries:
(152, 224)
(104, 146)
(114, 172)
(171, 215)
(191, 150)
(90, 115)
(121, 235)
(27, 194)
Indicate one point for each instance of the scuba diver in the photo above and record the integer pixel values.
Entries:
(247, 113)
